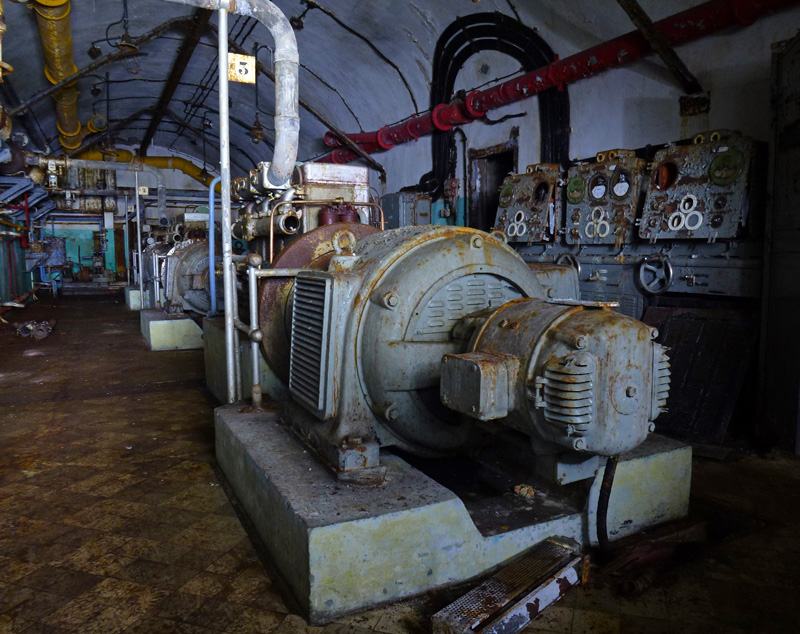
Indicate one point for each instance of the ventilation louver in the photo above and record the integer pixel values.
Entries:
(308, 366)
(568, 394)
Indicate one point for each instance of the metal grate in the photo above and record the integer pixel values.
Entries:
(309, 346)
(509, 600)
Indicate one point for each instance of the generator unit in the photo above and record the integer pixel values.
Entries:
(430, 338)
(185, 278)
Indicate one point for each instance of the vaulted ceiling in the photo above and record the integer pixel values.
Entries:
(364, 64)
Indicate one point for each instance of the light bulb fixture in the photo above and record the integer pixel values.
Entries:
(257, 132)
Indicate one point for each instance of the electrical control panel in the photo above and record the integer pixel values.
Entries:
(699, 190)
(529, 209)
(602, 198)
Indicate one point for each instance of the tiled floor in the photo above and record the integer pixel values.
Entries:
(112, 518)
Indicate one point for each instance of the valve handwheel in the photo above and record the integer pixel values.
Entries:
(655, 274)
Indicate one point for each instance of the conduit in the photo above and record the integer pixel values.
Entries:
(695, 23)
(161, 162)
(55, 32)
(286, 61)
(66, 163)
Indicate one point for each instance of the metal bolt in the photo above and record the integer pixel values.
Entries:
(580, 341)
(473, 408)
(254, 259)
(579, 444)
(474, 368)
(653, 333)
(477, 242)
(651, 427)
(630, 391)
(256, 335)
(504, 323)
(392, 413)
(391, 300)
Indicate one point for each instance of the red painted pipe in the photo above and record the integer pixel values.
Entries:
(692, 24)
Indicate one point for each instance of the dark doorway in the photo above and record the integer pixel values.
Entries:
(488, 169)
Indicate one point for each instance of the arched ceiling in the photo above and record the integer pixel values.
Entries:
(365, 63)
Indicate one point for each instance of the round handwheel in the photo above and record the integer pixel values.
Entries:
(655, 274)
(570, 260)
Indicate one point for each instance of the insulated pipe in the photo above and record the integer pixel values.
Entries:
(212, 265)
(692, 24)
(66, 163)
(55, 32)
(161, 162)
(286, 60)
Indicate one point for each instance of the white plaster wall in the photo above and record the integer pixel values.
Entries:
(626, 107)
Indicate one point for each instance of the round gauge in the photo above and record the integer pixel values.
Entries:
(598, 186)
(622, 184)
(576, 188)
(665, 175)
(506, 195)
(726, 167)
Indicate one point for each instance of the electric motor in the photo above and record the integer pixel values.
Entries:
(380, 347)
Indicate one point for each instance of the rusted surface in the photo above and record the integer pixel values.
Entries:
(530, 205)
(312, 250)
(506, 602)
(699, 190)
(602, 198)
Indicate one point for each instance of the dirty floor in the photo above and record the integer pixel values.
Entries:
(112, 518)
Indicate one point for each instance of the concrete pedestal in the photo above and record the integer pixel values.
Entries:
(214, 348)
(167, 332)
(346, 548)
(133, 299)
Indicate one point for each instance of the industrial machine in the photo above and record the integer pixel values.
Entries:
(420, 376)
(428, 338)
(681, 218)
(427, 374)
(185, 276)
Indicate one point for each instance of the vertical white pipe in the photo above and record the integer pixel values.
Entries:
(139, 242)
(254, 345)
(127, 246)
(228, 279)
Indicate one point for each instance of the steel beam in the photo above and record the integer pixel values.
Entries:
(99, 63)
(659, 44)
(198, 27)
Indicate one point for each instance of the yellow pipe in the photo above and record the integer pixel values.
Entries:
(161, 162)
(12, 224)
(55, 31)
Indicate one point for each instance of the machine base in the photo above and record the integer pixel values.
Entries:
(343, 548)
(133, 298)
(214, 349)
(163, 332)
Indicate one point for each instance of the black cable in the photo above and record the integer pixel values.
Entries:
(499, 32)
(602, 502)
